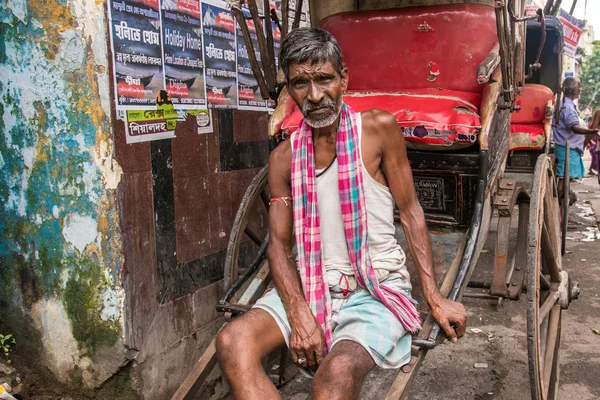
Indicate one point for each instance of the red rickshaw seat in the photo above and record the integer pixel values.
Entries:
(441, 118)
(398, 57)
(528, 129)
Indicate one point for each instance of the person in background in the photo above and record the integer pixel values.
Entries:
(594, 145)
(591, 145)
(568, 129)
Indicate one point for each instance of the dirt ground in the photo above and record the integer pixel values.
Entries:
(449, 372)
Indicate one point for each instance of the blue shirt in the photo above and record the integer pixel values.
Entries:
(562, 131)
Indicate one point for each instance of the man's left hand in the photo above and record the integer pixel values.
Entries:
(447, 313)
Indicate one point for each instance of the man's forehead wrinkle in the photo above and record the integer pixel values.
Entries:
(308, 68)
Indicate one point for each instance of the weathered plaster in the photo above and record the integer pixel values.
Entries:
(79, 230)
(60, 350)
(18, 8)
(60, 246)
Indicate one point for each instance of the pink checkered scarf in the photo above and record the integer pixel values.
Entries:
(308, 232)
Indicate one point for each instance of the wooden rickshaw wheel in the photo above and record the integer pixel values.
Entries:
(543, 280)
(565, 200)
(250, 222)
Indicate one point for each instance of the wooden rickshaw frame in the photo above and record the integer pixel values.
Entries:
(535, 267)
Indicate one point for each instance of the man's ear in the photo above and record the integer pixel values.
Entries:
(344, 76)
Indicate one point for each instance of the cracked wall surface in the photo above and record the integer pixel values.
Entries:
(60, 245)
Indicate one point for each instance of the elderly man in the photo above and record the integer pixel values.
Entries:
(343, 305)
(568, 129)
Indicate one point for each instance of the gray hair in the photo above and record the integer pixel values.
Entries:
(310, 44)
(570, 85)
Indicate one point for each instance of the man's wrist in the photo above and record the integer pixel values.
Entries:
(433, 298)
(297, 311)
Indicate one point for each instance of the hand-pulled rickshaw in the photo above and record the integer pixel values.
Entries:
(473, 86)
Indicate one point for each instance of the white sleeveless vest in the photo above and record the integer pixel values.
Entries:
(384, 249)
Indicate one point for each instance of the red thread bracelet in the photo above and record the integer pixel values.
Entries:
(284, 199)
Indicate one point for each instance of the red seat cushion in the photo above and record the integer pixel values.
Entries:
(527, 122)
(532, 104)
(527, 137)
(442, 119)
(396, 49)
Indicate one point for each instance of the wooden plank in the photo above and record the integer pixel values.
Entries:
(500, 258)
(398, 390)
(195, 379)
(193, 382)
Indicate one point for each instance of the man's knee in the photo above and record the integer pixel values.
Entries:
(337, 376)
(232, 343)
(247, 339)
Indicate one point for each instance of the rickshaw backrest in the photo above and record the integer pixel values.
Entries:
(532, 104)
(415, 47)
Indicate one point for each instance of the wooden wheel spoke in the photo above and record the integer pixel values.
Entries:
(544, 282)
(551, 340)
(551, 259)
(253, 235)
(548, 304)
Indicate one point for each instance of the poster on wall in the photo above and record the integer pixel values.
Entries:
(203, 120)
(292, 13)
(572, 28)
(146, 125)
(182, 53)
(249, 94)
(218, 27)
(137, 54)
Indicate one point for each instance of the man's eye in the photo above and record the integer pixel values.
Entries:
(299, 84)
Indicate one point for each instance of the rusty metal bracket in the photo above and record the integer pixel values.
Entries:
(506, 196)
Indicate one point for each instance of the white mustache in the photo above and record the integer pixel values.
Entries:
(309, 107)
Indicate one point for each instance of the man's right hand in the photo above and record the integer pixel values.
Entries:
(307, 340)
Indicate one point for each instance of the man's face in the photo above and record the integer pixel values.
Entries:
(577, 90)
(317, 89)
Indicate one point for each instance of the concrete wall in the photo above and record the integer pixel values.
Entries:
(60, 246)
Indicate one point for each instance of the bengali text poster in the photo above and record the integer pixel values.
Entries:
(182, 46)
(219, 54)
(249, 94)
(137, 54)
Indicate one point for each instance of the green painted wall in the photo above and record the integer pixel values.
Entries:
(60, 250)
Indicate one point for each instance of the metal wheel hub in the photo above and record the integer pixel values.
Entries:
(569, 290)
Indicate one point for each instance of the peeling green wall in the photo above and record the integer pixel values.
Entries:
(60, 250)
